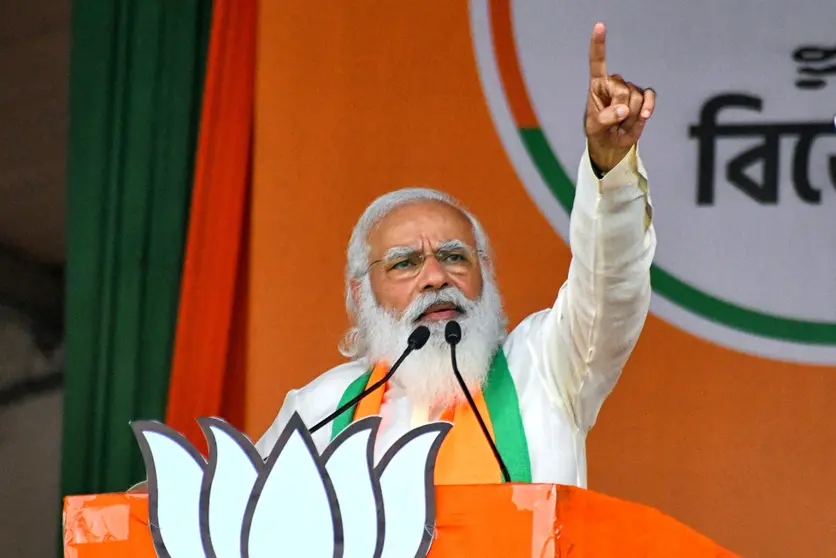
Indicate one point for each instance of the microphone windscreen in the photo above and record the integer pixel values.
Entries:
(453, 332)
(419, 337)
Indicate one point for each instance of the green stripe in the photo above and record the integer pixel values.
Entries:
(674, 289)
(503, 408)
(354, 389)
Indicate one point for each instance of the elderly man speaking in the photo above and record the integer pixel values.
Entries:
(417, 257)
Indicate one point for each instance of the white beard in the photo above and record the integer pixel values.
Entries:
(426, 375)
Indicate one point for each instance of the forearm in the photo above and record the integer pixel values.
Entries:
(608, 290)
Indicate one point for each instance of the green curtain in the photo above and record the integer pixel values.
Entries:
(135, 89)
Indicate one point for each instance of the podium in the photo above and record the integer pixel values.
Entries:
(340, 503)
(506, 520)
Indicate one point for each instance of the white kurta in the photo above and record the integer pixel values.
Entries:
(564, 360)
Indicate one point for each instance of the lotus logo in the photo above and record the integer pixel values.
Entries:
(339, 504)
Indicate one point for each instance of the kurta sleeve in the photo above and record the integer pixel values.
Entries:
(265, 444)
(584, 341)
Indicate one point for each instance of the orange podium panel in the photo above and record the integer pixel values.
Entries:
(509, 520)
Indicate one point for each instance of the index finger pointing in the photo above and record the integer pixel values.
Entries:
(598, 52)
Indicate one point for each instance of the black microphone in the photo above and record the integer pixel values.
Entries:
(453, 334)
(417, 339)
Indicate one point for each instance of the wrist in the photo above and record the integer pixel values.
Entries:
(604, 160)
(596, 170)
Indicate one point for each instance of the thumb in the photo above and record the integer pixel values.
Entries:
(612, 116)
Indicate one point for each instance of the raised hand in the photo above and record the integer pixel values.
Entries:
(616, 110)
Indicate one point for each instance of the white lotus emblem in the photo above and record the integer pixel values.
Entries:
(296, 503)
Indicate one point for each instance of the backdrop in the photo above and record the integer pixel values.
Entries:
(722, 416)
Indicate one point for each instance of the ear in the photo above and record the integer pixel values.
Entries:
(355, 287)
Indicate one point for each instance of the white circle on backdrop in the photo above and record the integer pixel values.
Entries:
(767, 260)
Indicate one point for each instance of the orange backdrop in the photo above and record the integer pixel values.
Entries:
(365, 97)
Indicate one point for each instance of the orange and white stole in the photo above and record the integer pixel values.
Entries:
(465, 457)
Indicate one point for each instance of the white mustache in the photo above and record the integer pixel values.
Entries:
(449, 295)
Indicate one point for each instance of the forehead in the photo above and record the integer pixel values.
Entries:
(420, 223)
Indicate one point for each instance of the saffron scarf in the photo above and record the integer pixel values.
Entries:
(465, 456)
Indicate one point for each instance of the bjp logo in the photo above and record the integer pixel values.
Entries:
(297, 502)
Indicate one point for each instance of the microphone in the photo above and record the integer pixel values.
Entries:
(453, 335)
(416, 341)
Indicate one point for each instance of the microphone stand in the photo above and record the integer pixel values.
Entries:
(416, 341)
(453, 335)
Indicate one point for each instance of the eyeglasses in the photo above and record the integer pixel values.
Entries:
(456, 261)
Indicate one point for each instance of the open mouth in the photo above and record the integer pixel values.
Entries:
(440, 311)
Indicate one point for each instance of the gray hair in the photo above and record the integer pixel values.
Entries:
(359, 250)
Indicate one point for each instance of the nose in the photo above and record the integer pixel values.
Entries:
(433, 275)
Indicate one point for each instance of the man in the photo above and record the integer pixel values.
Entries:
(417, 257)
